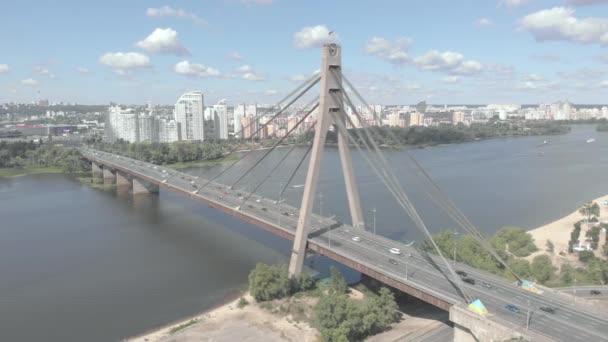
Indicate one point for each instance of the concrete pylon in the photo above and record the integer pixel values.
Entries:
(109, 176)
(331, 104)
(123, 183)
(141, 187)
(97, 172)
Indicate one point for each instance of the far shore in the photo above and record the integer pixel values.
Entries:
(12, 172)
(558, 232)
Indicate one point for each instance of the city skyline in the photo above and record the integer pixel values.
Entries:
(504, 51)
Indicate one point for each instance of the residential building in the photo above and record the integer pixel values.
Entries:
(189, 116)
(416, 119)
(457, 117)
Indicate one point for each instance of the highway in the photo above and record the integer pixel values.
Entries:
(568, 322)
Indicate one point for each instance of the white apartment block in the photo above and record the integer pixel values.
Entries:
(190, 117)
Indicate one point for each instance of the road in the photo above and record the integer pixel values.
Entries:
(568, 322)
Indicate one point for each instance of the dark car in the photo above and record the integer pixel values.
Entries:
(469, 280)
(461, 273)
(264, 209)
(392, 261)
(595, 292)
(547, 309)
(512, 308)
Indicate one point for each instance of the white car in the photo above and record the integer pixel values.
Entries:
(395, 251)
(258, 200)
(356, 238)
(164, 180)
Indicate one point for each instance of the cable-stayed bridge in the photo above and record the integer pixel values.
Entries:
(428, 277)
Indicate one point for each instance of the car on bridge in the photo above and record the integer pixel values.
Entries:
(461, 273)
(356, 238)
(488, 285)
(395, 251)
(393, 261)
(595, 292)
(547, 309)
(512, 308)
(469, 280)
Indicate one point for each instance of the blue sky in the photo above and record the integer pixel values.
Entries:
(395, 52)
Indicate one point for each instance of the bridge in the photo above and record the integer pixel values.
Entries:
(399, 265)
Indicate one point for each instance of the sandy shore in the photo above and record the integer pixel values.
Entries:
(559, 232)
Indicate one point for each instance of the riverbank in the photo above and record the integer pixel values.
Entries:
(558, 232)
(212, 162)
(11, 172)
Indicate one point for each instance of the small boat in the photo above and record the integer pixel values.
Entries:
(590, 140)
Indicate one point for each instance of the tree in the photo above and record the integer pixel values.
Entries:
(269, 282)
(520, 243)
(337, 284)
(590, 208)
(521, 267)
(550, 247)
(542, 268)
(586, 256)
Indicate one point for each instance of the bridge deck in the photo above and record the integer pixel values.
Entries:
(416, 274)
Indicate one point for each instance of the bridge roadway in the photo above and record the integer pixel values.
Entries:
(413, 273)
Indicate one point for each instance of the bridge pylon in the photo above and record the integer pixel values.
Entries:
(331, 109)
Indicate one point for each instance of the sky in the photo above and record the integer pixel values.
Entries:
(393, 51)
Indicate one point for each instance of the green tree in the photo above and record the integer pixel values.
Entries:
(590, 208)
(586, 256)
(542, 268)
(337, 284)
(520, 243)
(269, 282)
(521, 267)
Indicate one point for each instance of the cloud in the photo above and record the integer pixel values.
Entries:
(42, 70)
(257, 2)
(585, 2)
(252, 76)
(603, 84)
(583, 73)
(392, 51)
(167, 11)
(4, 68)
(413, 87)
(29, 82)
(163, 41)
(297, 78)
(234, 55)
(483, 22)
(313, 36)
(196, 70)
(270, 92)
(531, 85)
(450, 79)
(244, 68)
(451, 62)
(82, 70)
(534, 77)
(559, 23)
(515, 3)
(125, 60)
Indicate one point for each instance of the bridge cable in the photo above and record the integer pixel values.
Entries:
(236, 147)
(295, 171)
(275, 145)
(440, 197)
(274, 168)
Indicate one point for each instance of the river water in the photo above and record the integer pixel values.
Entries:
(79, 264)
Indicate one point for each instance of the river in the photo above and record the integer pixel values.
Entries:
(79, 264)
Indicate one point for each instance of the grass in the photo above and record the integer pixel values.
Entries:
(183, 326)
(12, 172)
(213, 162)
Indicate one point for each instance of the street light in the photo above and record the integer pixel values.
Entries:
(321, 204)
(374, 211)
(528, 316)
(455, 246)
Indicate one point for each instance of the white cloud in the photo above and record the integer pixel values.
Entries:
(252, 76)
(603, 84)
(29, 82)
(257, 2)
(4, 68)
(532, 85)
(244, 68)
(297, 78)
(163, 41)
(393, 51)
(42, 70)
(559, 23)
(585, 2)
(234, 55)
(452, 62)
(197, 70)
(270, 92)
(534, 77)
(450, 79)
(516, 3)
(125, 60)
(483, 22)
(167, 11)
(413, 87)
(82, 70)
(313, 36)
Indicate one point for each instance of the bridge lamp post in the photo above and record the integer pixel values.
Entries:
(321, 204)
(374, 212)
(528, 317)
(455, 246)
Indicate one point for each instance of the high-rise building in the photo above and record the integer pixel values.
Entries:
(148, 128)
(168, 131)
(416, 119)
(221, 110)
(250, 126)
(121, 124)
(457, 117)
(190, 117)
(239, 113)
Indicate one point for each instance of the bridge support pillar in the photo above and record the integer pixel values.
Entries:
(97, 172)
(141, 187)
(109, 176)
(471, 327)
(123, 183)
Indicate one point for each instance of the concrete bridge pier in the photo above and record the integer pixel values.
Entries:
(97, 172)
(471, 327)
(141, 187)
(109, 176)
(123, 183)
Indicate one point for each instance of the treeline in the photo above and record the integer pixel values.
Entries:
(22, 154)
(603, 127)
(337, 316)
(449, 134)
(513, 245)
